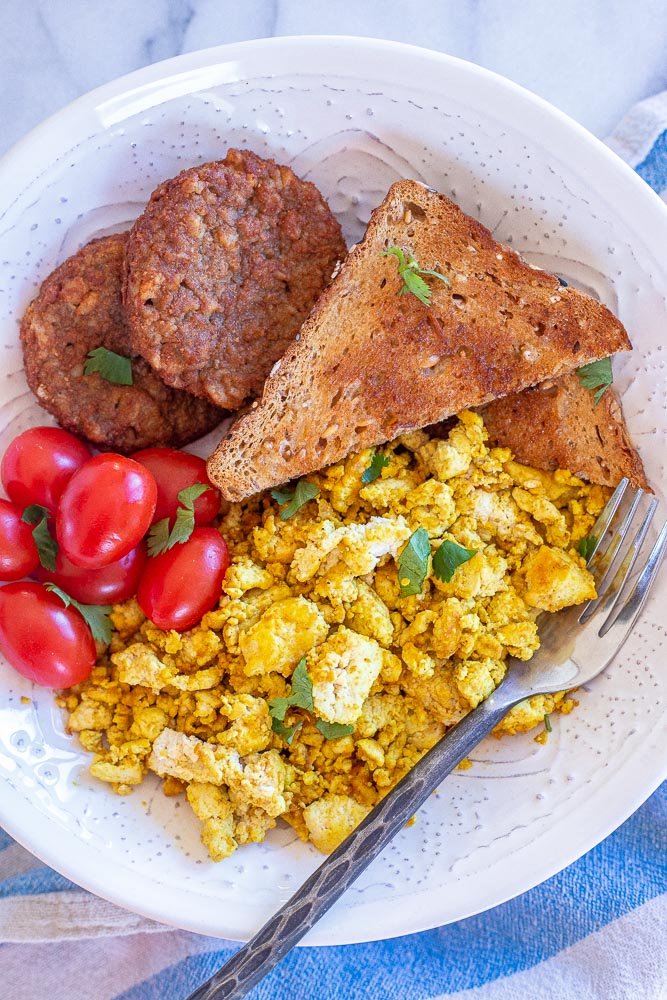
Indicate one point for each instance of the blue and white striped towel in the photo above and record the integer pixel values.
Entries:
(596, 931)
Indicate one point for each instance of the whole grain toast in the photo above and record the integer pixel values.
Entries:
(371, 362)
(558, 425)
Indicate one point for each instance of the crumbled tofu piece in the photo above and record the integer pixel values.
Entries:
(212, 806)
(185, 757)
(369, 615)
(250, 724)
(555, 579)
(139, 665)
(258, 779)
(330, 820)
(546, 513)
(431, 506)
(359, 546)
(343, 670)
(481, 576)
(244, 575)
(284, 633)
(364, 545)
(90, 715)
(125, 773)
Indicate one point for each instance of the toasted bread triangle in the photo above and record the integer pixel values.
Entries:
(371, 362)
(558, 425)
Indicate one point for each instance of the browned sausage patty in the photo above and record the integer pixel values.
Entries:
(77, 310)
(221, 270)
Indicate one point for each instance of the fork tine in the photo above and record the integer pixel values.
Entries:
(613, 569)
(630, 611)
(606, 515)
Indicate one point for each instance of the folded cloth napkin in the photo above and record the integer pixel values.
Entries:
(596, 931)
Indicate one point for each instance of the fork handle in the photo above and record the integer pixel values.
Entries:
(286, 927)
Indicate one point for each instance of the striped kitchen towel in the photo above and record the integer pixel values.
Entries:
(596, 931)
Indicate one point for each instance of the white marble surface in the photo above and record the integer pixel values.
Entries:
(591, 58)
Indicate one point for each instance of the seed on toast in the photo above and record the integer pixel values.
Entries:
(370, 362)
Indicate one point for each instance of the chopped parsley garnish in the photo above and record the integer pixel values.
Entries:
(47, 546)
(96, 616)
(109, 365)
(160, 538)
(287, 732)
(547, 722)
(586, 546)
(333, 730)
(378, 463)
(413, 563)
(296, 498)
(413, 275)
(448, 558)
(596, 376)
(301, 696)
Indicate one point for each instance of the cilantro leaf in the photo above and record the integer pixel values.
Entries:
(300, 696)
(547, 723)
(302, 687)
(448, 558)
(414, 283)
(109, 365)
(35, 513)
(96, 616)
(596, 376)
(378, 463)
(303, 492)
(47, 546)
(278, 708)
(413, 563)
(189, 494)
(333, 730)
(160, 538)
(287, 732)
(586, 546)
(185, 514)
(282, 495)
(413, 275)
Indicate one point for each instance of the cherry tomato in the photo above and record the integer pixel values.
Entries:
(41, 638)
(174, 471)
(105, 510)
(39, 463)
(108, 585)
(183, 583)
(18, 552)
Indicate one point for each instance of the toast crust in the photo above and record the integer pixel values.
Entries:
(370, 363)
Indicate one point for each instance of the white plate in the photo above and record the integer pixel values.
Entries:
(352, 115)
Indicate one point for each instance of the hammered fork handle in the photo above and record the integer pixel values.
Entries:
(334, 876)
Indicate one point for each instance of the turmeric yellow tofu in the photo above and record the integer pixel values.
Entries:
(356, 624)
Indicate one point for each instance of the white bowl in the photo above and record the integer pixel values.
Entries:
(352, 115)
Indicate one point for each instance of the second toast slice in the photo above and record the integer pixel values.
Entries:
(558, 425)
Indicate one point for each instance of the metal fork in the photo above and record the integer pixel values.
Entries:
(575, 645)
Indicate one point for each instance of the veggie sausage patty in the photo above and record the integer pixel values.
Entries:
(221, 270)
(78, 309)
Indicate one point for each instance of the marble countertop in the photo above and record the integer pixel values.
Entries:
(593, 60)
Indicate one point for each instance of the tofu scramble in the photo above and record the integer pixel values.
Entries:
(316, 596)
